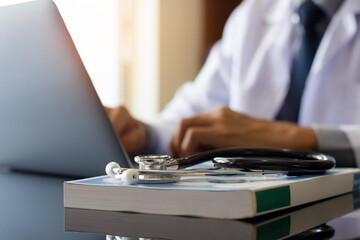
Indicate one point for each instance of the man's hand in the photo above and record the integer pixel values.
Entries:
(223, 128)
(131, 131)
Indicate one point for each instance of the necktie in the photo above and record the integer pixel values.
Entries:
(313, 22)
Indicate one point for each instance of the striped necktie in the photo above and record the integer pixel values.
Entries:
(313, 22)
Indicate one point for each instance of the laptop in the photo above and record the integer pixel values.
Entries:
(51, 119)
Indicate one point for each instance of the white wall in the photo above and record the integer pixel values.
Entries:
(95, 28)
(167, 52)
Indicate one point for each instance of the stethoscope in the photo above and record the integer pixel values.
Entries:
(160, 168)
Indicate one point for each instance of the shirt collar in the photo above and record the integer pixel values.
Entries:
(328, 6)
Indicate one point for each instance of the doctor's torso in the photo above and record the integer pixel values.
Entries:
(258, 41)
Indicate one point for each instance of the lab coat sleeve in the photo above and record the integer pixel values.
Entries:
(209, 90)
(335, 142)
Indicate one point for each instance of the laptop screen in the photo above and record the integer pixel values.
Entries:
(51, 117)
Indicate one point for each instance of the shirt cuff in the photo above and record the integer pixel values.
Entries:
(334, 142)
(152, 140)
(159, 134)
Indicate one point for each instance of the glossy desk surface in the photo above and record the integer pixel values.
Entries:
(31, 207)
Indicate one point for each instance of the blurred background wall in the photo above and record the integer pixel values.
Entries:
(138, 52)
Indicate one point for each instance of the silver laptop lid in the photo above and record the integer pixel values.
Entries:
(51, 119)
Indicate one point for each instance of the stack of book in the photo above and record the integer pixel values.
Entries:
(227, 197)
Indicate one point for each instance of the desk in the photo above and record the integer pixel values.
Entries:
(31, 207)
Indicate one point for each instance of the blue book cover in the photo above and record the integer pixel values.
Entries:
(240, 195)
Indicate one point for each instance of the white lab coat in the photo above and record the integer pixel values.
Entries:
(249, 69)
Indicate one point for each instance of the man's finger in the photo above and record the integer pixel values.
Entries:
(121, 119)
(197, 139)
(178, 136)
(135, 139)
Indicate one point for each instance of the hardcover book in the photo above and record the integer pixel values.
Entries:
(226, 197)
(276, 225)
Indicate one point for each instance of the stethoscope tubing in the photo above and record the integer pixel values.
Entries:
(263, 159)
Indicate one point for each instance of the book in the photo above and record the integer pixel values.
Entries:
(276, 225)
(227, 197)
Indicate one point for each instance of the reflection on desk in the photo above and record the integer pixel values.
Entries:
(31, 207)
(282, 224)
(347, 227)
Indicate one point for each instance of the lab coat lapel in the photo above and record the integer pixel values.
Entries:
(341, 30)
(268, 73)
(330, 76)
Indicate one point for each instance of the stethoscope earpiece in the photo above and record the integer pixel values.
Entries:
(128, 176)
(111, 169)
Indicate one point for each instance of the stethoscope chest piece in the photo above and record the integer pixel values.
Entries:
(155, 162)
